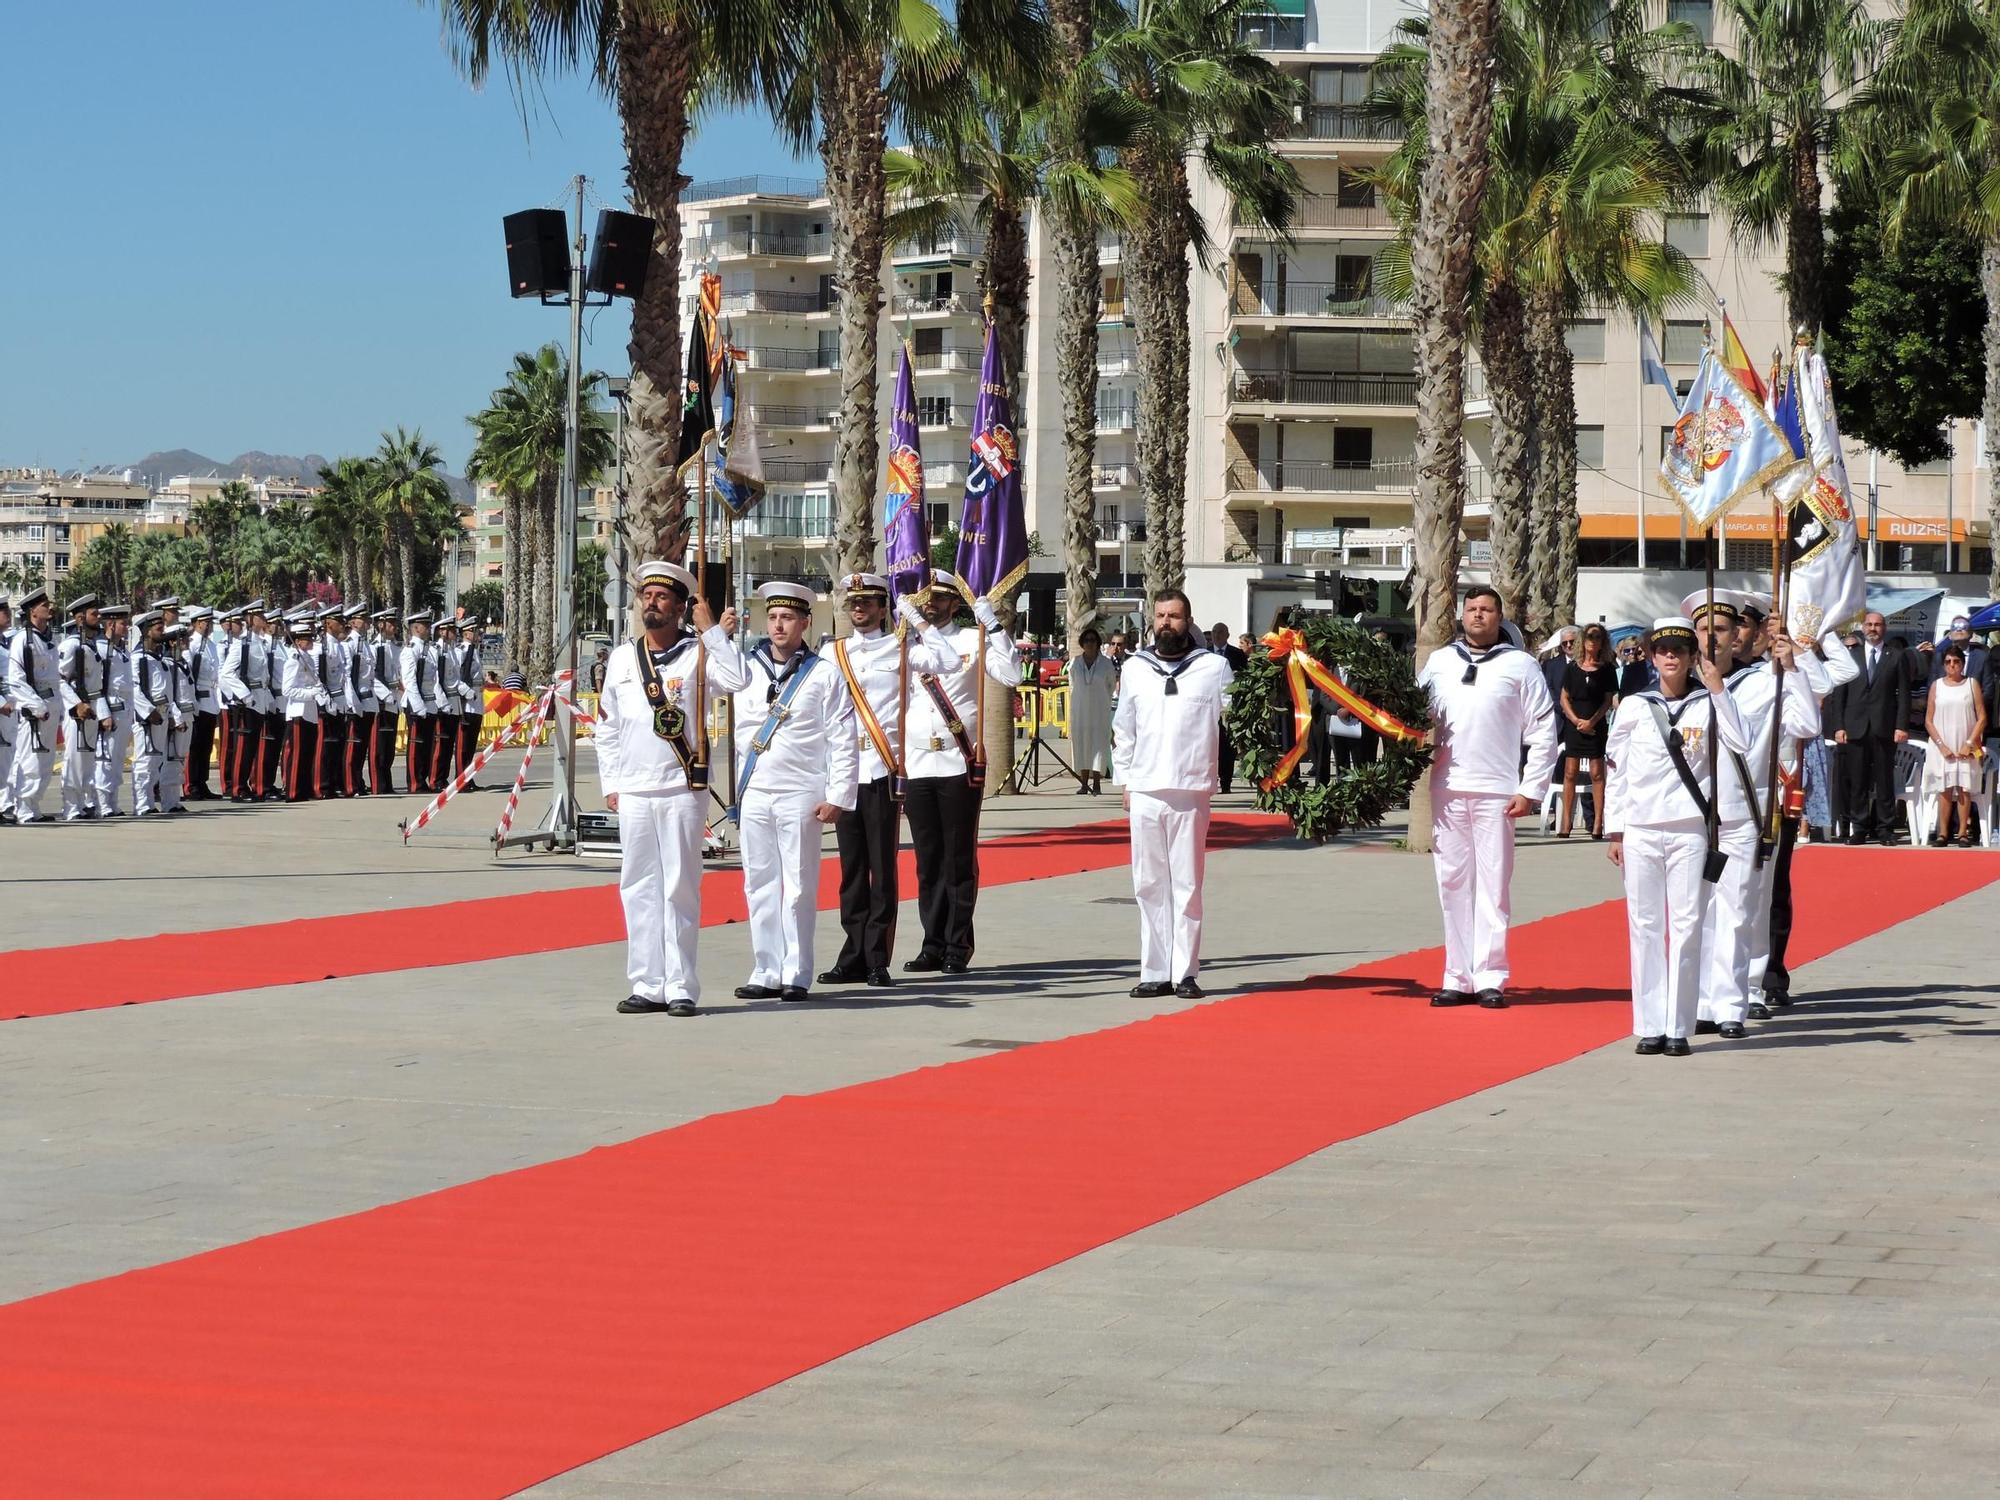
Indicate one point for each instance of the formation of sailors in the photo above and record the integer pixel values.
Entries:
(288, 705)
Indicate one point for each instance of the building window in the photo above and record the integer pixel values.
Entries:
(1585, 338)
(934, 411)
(36, 533)
(927, 341)
(1683, 342)
(1590, 447)
(1700, 14)
(1113, 297)
(62, 562)
(1339, 83)
(1688, 233)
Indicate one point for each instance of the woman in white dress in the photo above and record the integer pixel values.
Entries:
(1092, 676)
(1956, 721)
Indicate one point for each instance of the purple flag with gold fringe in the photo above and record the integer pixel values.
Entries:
(906, 533)
(993, 526)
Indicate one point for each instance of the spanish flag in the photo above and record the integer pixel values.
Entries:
(1736, 360)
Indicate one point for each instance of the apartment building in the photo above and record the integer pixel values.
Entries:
(47, 518)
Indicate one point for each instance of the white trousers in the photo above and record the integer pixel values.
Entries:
(1726, 938)
(659, 882)
(1169, 860)
(781, 853)
(7, 724)
(109, 772)
(1473, 842)
(1665, 899)
(79, 769)
(148, 769)
(32, 764)
(1759, 936)
(169, 779)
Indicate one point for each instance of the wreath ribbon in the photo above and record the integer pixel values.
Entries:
(1301, 669)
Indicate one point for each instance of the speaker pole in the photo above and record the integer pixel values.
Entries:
(562, 832)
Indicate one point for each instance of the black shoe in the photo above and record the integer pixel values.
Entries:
(953, 966)
(1888, 839)
(1651, 1046)
(1778, 1001)
(1491, 1000)
(757, 992)
(1151, 989)
(923, 963)
(842, 976)
(634, 1005)
(178, 812)
(681, 1007)
(1677, 1046)
(1454, 997)
(1187, 989)
(1857, 838)
(1731, 1031)
(1704, 1028)
(793, 993)
(878, 979)
(1758, 1011)
(1083, 791)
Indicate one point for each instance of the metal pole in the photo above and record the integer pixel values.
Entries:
(1639, 453)
(1874, 517)
(616, 615)
(562, 828)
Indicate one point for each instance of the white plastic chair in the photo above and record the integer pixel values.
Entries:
(1919, 806)
(1983, 794)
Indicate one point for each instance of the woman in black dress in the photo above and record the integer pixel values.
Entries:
(1589, 693)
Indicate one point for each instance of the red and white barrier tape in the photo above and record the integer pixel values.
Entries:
(542, 711)
(522, 726)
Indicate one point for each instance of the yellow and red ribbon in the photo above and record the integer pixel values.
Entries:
(1302, 672)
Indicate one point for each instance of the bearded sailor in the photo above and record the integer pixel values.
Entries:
(871, 666)
(81, 671)
(652, 760)
(1658, 797)
(1489, 705)
(1165, 749)
(946, 770)
(31, 687)
(795, 778)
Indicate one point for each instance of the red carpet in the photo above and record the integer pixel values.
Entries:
(477, 1340)
(131, 971)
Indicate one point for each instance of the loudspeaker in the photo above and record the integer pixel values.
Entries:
(537, 252)
(718, 592)
(1042, 612)
(619, 253)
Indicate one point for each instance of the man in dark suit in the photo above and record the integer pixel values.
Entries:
(1865, 717)
(1219, 642)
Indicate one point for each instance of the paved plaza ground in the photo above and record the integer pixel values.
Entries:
(1772, 1269)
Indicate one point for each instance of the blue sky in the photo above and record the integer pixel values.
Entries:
(232, 226)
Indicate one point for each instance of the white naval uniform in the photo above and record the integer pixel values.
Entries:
(114, 740)
(31, 687)
(1738, 921)
(81, 671)
(660, 819)
(810, 758)
(9, 718)
(180, 732)
(152, 700)
(1666, 843)
(1481, 728)
(1090, 685)
(1164, 753)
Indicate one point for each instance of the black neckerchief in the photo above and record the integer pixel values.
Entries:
(1474, 663)
(1158, 664)
(761, 654)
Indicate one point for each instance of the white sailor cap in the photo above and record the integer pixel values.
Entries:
(384, 614)
(1676, 631)
(231, 614)
(200, 612)
(672, 574)
(172, 601)
(1754, 606)
(943, 582)
(330, 612)
(445, 622)
(114, 611)
(179, 630)
(470, 622)
(149, 618)
(779, 595)
(864, 586)
(82, 602)
(417, 617)
(1728, 605)
(302, 626)
(355, 612)
(30, 599)
(255, 607)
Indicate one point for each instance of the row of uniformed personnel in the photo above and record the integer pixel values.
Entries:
(286, 706)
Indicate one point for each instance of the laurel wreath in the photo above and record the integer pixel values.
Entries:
(1259, 722)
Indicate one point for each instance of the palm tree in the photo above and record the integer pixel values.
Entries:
(657, 59)
(1776, 119)
(1198, 93)
(342, 512)
(1932, 122)
(411, 491)
(519, 449)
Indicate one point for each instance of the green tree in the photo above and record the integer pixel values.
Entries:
(591, 576)
(347, 508)
(488, 600)
(417, 505)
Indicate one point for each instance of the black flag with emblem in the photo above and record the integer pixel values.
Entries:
(697, 396)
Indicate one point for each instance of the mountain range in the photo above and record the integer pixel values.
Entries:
(157, 468)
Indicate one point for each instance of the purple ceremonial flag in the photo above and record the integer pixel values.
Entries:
(906, 532)
(993, 527)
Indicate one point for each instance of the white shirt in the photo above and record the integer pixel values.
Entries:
(933, 749)
(152, 686)
(630, 756)
(117, 681)
(385, 663)
(1642, 788)
(417, 671)
(304, 696)
(205, 666)
(31, 673)
(812, 752)
(1480, 726)
(80, 667)
(877, 661)
(1752, 687)
(1167, 742)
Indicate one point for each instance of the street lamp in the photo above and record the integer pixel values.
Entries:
(543, 262)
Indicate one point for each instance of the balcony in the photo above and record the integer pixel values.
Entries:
(776, 302)
(768, 357)
(1272, 33)
(777, 525)
(943, 474)
(1294, 388)
(794, 416)
(1324, 476)
(1117, 419)
(1109, 366)
(1116, 533)
(947, 247)
(905, 305)
(798, 470)
(1113, 477)
(943, 414)
(944, 359)
(761, 185)
(762, 243)
(1312, 299)
(1326, 211)
(1344, 122)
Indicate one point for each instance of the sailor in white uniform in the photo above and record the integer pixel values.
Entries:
(8, 717)
(1165, 746)
(1657, 796)
(1488, 703)
(651, 760)
(152, 711)
(114, 735)
(81, 671)
(795, 776)
(31, 687)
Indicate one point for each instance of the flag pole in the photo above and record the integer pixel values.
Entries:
(1708, 564)
(1639, 441)
(979, 661)
(700, 646)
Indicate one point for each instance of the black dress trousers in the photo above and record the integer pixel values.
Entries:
(944, 831)
(868, 838)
